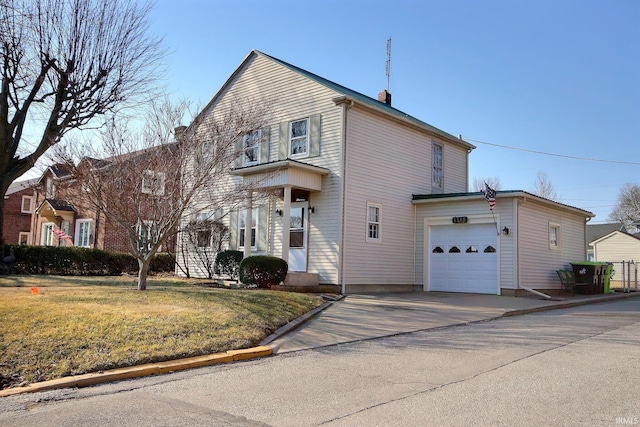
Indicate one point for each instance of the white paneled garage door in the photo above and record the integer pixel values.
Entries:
(463, 258)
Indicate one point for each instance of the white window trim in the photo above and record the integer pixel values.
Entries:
(22, 209)
(434, 184)
(22, 234)
(558, 243)
(78, 235)
(146, 185)
(254, 227)
(368, 222)
(307, 137)
(256, 147)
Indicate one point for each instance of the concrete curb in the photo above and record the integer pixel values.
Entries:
(594, 300)
(90, 379)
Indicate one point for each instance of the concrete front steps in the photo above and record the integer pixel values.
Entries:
(305, 282)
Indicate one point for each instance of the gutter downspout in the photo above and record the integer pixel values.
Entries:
(343, 173)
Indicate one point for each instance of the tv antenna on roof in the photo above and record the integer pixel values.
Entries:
(388, 64)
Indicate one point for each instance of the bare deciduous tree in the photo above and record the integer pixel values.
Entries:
(543, 187)
(627, 209)
(64, 63)
(150, 183)
(479, 183)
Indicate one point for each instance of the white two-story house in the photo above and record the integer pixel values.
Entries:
(359, 189)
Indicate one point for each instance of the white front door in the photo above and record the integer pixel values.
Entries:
(298, 236)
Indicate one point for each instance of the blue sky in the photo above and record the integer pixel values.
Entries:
(561, 77)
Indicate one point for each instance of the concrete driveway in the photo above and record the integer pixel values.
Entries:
(361, 317)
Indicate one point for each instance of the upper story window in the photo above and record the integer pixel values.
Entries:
(373, 222)
(251, 148)
(83, 233)
(51, 188)
(27, 204)
(153, 183)
(437, 167)
(299, 138)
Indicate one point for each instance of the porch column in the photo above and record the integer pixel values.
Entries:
(286, 222)
(248, 224)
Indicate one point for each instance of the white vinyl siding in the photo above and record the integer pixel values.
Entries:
(534, 220)
(388, 162)
(617, 247)
(297, 97)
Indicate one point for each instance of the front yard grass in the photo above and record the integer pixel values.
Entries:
(76, 325)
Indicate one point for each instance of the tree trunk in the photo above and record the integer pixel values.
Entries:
(143, 271)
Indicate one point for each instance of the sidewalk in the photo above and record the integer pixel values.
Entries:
(362, 317)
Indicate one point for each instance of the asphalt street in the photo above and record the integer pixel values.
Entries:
(576, 366)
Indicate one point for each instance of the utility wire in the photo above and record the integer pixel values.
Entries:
(554, 154)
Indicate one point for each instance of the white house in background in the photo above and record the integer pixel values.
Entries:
(617, 246)
(360, 189)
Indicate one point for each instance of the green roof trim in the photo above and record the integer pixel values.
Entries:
(480, 194)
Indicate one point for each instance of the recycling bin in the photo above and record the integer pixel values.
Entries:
(590, 277)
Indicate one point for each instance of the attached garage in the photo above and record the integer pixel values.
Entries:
(463, 258)
(463, 246)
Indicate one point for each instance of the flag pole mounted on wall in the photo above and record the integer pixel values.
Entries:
(490, 195)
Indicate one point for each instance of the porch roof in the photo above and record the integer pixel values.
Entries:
(283, 173)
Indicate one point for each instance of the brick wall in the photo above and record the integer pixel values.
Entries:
(14, 220)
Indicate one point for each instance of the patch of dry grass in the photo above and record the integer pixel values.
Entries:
(76, 325)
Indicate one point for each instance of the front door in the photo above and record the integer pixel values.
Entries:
(298, 236)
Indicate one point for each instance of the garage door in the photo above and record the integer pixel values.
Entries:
(463, 258)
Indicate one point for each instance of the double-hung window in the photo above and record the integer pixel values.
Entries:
(147, 235)
(299, 138)
(242, 221)
(251, 148)
(27, 204)
(373, 222)
(83, 233)
(437, 167)
(554, 236)
(46, 234)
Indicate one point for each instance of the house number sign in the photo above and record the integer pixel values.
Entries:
(459, 219)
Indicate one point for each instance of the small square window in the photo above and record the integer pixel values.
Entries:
(153, 183)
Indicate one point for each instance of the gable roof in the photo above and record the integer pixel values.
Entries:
(343, 93)
(425, 198)
(596, 231)
(613, 233)
(17, 186)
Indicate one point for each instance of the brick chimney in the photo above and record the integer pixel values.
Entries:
(178, 132)
(385, 97)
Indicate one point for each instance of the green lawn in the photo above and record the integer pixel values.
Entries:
(75, 325)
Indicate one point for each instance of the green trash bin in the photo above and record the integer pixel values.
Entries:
(608, 272)
(592, 277)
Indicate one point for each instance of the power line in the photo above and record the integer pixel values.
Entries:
(554, 154)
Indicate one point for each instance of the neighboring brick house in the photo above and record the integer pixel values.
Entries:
(19, 204)
(64, 218)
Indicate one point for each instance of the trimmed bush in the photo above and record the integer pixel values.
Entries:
(163, 263)
(72, 261)
(228, 263)
(263, 271)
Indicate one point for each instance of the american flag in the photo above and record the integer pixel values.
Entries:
(490, 195)
(61, 235)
